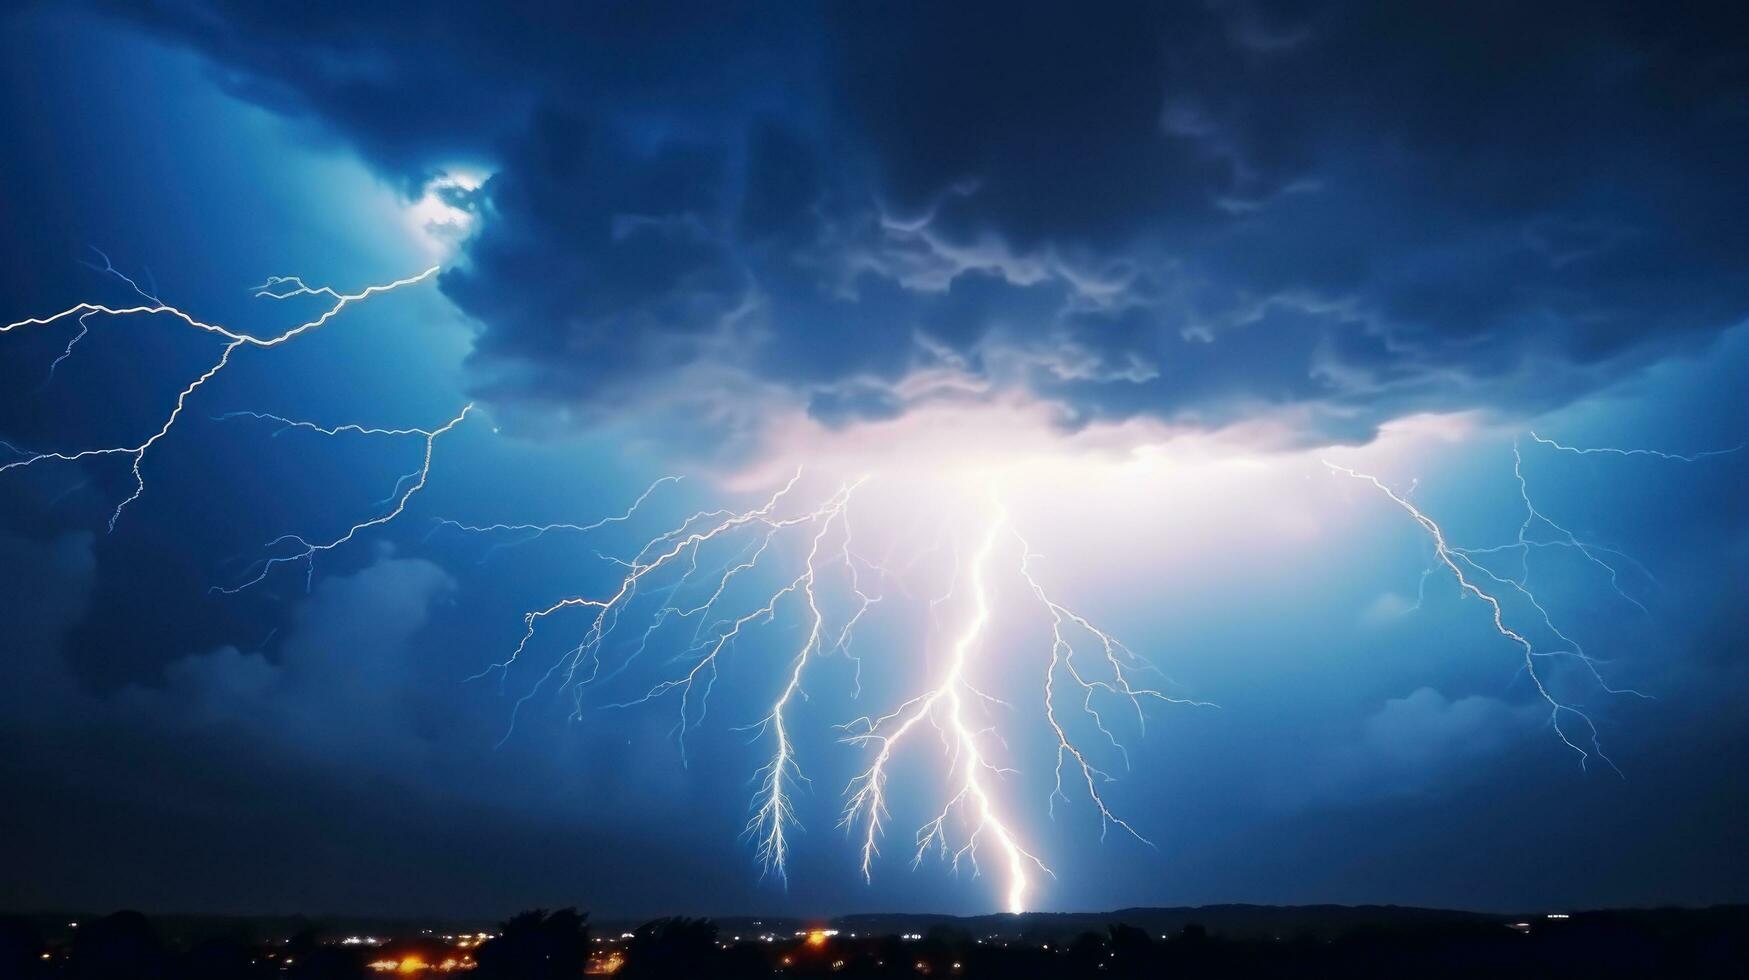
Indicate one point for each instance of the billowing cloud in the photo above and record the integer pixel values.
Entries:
(1335, 214)
(1421, 743)
(1427, 729)
(344, 684)
(39, 609)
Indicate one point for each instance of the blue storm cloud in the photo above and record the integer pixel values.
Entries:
(1332, 213)
(1202, 212)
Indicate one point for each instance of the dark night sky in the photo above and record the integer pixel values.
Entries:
(720, 240)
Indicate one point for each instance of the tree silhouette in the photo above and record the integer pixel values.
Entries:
(20, 949)
(122, 946)
(674, 947)
(1132, 952)
(224, 958)
(313, 959)
(536, 945)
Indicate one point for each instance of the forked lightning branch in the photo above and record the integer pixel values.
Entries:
(806, 563)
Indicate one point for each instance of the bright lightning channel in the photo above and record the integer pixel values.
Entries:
(1087, 670)
(824, 535)
(972, 818)
(944, 704)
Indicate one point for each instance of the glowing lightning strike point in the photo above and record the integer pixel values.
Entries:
(1455, 560)
(233, 341)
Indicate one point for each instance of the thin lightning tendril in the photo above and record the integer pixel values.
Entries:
(1456, 561)
(1121, 662)
(1465, 562)
(700, 592)
(1524, 543)
(233, 341)
(306, 549)
(695, 573)
(1655, 453)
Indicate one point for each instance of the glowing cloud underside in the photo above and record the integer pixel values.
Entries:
(719, 577)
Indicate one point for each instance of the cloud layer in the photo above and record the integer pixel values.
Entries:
(1330, 213)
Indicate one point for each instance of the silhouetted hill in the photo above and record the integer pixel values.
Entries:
(1217, 942)
(1233, 921)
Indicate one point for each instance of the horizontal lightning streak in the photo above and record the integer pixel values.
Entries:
(540, 529)
(1655, 453)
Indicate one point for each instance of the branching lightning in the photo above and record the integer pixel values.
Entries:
(1121, 664)
(1466, 570)
(945, 706)
(233, 340)
(972, 821)
(720, 577)
(1475, 578)
(305, 550)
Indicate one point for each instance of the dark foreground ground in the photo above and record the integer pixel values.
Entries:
(1213, 942)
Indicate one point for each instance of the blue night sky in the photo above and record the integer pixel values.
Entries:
(1133, 271)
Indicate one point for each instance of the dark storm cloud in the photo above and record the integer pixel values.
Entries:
(1201, 212)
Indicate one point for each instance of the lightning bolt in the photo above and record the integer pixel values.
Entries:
(409, 484)
(672, 567)
(1524, 544)
(944, 704)
(1467, 571)
(531, 532)
(794, 554)
(1538, 530)
(233, 340)
(1654, 453)
(970, 771)
(1120, 663)
(679, 548)
(84, 319)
